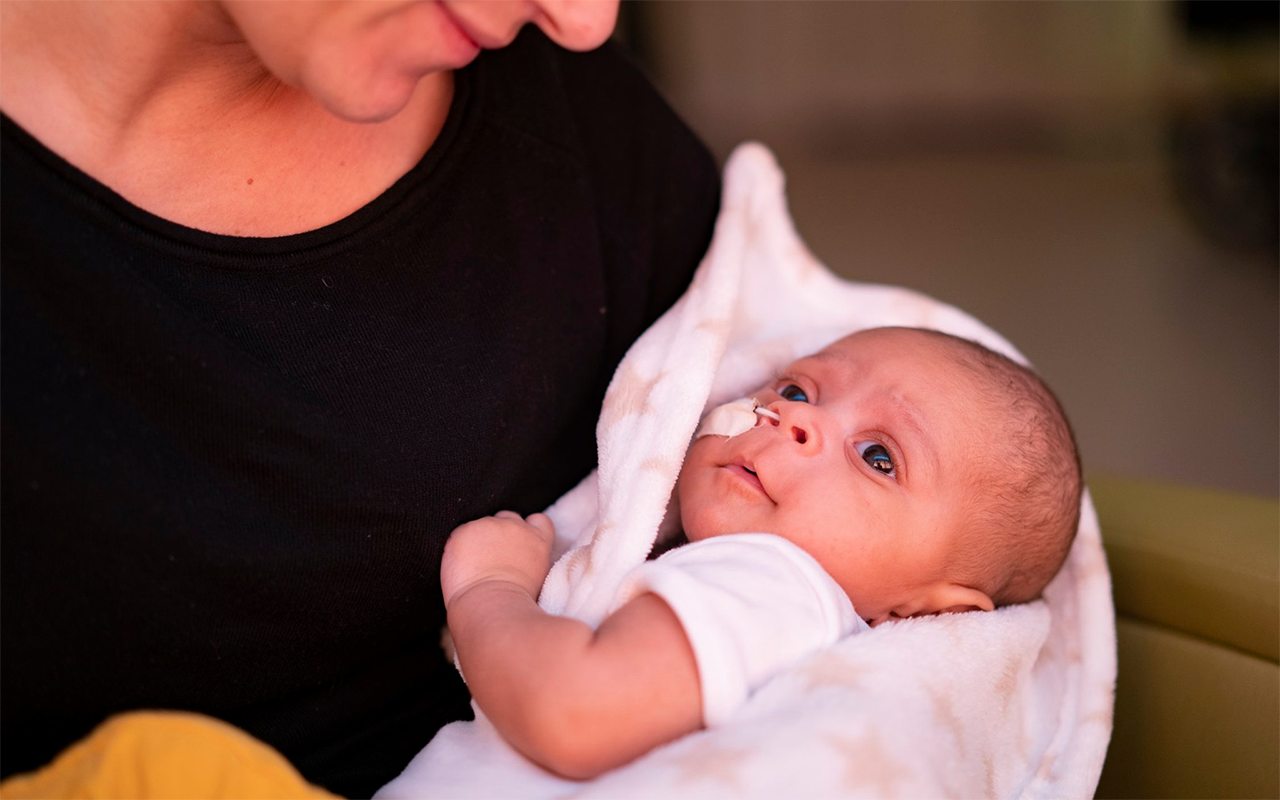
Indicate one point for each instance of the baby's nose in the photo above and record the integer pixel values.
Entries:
(795, 421)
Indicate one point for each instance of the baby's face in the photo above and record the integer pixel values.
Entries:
(866, 470)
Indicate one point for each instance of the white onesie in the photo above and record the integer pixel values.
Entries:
(752, 604)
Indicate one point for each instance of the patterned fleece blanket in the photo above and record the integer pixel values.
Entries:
(1015, 703)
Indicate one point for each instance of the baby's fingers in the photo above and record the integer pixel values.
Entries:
(543, 524)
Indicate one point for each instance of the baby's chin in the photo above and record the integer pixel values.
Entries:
(696, 533)
(704, 524)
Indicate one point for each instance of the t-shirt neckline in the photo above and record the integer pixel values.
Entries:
(193, 242)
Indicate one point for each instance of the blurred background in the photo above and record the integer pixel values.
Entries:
(1095, 180)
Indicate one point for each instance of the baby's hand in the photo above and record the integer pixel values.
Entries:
(503, 547)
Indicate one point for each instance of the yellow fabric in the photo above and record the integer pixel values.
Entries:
(163, 754)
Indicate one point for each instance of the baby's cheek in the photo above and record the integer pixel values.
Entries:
(688, 496)
(708, 506)
(704, 514)
(698, 512)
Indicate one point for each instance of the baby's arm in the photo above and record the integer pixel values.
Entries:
(578, 702)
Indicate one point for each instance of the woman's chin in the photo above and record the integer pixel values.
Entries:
(369, 108)
(373, 94)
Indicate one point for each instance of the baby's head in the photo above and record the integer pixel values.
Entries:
(925, 473)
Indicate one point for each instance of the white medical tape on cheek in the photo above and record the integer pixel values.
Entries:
(732, 418)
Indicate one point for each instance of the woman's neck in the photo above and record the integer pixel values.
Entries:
(167, 105)
(111, 62)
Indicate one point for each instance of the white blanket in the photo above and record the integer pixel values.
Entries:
(1014, 703)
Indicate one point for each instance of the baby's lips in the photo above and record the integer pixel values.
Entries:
(747, 470)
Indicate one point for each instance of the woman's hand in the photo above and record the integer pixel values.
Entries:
(504, 548)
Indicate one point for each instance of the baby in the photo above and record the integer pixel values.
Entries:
(896, 473)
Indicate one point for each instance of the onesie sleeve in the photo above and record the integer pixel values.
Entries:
(751, 605)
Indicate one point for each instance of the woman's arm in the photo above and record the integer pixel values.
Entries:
(578, 702)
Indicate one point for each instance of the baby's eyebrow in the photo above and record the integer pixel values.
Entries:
(909, 414)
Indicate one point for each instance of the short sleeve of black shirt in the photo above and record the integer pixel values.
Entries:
(230, 464)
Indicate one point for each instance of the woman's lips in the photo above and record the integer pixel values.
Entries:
(480, 39)
(749, 477)
(458, 27)
(464, 47)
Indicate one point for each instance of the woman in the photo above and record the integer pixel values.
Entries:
(290, 290)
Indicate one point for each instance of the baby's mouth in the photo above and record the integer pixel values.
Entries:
(748, 475)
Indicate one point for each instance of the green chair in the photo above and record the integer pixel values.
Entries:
(1195, 577)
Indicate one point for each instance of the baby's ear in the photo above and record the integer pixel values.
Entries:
(945, 598)
(963, 598)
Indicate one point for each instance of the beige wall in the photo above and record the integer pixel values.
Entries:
(1009, 157)
(803, 73)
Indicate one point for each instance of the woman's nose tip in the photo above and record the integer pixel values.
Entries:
(577, 24)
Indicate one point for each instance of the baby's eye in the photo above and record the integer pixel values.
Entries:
(794, 393)
(877, 457)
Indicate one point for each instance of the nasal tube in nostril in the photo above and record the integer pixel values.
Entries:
(767, 414)
(799, 436)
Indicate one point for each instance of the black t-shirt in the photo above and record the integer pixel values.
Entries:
(230, 464)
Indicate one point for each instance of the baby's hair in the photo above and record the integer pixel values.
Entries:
(1025, 503)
